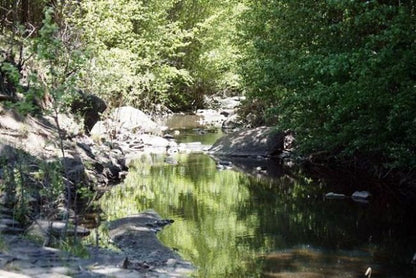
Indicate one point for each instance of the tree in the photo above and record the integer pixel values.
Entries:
(211, 53)
(132, 45)
(338, 73)
(159, 52)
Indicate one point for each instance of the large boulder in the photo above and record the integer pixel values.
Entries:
(133, 119)
(261, 141)
(124, 122)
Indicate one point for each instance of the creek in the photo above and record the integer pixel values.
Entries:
(232, 223)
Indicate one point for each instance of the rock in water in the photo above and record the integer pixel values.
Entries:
(261, 141)
(363, 195)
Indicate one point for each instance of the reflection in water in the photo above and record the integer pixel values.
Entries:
(234, 225)
(179, 121)
(191, 129)
(205, 136)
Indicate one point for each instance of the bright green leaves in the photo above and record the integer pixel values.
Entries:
(160, 52)
(336, 72)
(11, 73)
(48, 43)
(58, 59)
(134, 46)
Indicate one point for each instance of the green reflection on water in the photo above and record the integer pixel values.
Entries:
(203, 202)
(232, 225)
(206, 137)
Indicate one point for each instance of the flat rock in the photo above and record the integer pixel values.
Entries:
(155, 141)
(136, 237)
(261, 141)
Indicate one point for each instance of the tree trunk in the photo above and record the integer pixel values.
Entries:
(25, 11)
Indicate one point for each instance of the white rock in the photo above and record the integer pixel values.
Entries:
(171, 262)
(368, 272)
(156, 141)
(361, 195)
(132, 118)
(99, 129)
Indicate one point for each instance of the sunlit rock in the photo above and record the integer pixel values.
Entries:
(135, 120)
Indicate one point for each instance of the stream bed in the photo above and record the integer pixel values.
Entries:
(268, 222)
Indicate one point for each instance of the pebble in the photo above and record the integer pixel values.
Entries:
(171, 262)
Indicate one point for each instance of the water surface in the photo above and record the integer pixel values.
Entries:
(231, 224)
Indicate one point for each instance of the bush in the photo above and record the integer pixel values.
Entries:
(338, 73)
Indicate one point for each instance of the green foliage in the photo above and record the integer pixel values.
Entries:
(11, 73)
(38, 64)
(74, 248)
(211, 54)
(338, 73)
(8, 186)
(141, 53)
(145, 53)
(52, 186)
(15, 189)
(132, 44)
(58, 61)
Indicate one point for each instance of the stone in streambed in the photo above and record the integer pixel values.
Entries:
(261, 141)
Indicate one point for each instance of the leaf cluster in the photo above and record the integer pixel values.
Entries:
(338, 73)
(145, 53)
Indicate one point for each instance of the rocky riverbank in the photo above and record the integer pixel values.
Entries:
(21, 257)
(42, 166)
(30, 151)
